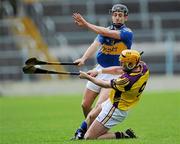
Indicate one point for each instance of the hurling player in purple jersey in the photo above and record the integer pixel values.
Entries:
(126, 92)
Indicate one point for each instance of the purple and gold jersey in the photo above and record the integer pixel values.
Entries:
(108, 54)
(128, 87)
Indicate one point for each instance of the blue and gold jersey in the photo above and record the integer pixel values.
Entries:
(108, 54)
(128, 87)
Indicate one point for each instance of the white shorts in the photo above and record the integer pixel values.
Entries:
(96, 88)
(109, 115)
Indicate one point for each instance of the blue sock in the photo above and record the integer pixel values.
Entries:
(84, 126)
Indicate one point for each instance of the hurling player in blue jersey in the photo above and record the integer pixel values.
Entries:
(111, 41)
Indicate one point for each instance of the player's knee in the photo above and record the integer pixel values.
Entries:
(91, 116)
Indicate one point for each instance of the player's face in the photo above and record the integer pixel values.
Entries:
(127, 66)
(118, 17)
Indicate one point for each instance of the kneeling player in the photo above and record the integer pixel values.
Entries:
(126, 92)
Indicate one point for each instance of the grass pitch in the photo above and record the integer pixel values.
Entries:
(53, 119)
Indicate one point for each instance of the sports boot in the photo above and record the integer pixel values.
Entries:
(79, 134)
(130, 133)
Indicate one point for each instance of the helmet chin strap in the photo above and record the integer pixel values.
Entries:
(127, 70)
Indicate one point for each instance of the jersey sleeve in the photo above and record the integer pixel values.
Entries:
(100, 38)
(126, 34)
(119, 84)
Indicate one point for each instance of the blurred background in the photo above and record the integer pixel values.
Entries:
(45, 29)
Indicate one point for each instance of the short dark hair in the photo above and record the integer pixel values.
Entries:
(119, 8)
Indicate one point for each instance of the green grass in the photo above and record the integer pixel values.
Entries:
(53, 120)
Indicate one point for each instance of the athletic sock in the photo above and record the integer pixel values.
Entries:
(120, 135)
(84, 126)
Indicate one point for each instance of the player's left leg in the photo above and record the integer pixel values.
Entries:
(95, 130)
(98, 131)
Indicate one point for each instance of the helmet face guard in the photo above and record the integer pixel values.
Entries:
(129, 59)
(119, 8)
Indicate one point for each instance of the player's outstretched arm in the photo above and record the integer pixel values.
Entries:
(79, 20)
(89, 53)
(104, 84)
(114, 70)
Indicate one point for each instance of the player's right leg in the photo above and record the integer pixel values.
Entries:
(90, 94)
(87, 101)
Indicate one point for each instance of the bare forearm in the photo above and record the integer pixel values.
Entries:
(99, 82)
(97, 29)
(79, 20)
(103, 31)
(116, 70)
(91, 50)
